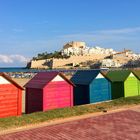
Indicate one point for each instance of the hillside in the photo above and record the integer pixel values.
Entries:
(77, 54)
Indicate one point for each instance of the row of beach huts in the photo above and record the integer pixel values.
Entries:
(51, 90)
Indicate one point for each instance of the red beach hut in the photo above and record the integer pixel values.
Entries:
(48, 90)
(10, 97)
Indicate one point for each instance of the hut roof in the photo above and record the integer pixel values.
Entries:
(118, 75)
(137, 73)
(41, 79)
(10, 80)
(84, 77)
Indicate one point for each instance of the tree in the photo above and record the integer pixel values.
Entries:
(46, 55)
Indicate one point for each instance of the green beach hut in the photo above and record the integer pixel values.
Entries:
(124, 83)
(137, 74)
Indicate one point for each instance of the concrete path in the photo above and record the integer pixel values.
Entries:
(122, 125)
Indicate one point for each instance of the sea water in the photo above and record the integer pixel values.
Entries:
(23, 69)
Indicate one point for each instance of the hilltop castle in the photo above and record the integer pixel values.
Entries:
(82, 56)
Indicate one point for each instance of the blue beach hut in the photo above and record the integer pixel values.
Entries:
(91, 87)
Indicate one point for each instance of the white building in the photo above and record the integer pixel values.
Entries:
(80, 48)
(110, 63)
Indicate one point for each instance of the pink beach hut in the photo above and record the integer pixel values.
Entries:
(48, 90)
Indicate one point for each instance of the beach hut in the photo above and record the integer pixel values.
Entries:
(137, 74)
(10, 97)
(48, 90)
(90, 87)
(124, 83)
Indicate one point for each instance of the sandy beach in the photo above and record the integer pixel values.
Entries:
(22, 82)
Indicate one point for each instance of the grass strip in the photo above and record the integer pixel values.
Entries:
(38, 117)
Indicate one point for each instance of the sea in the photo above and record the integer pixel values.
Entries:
(23, 69)
(17, 69)
(22, 72)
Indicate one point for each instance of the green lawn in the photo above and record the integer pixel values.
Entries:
(38, 117)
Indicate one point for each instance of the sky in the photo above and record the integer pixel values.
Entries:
(29, 27)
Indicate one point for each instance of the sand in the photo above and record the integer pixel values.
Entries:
(22, 82)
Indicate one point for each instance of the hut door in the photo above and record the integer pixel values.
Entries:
(63, 94)
(57, 95)
(131, 86)
(8, 100)
(100, 90)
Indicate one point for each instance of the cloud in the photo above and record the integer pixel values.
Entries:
(120, 31)
(13, 59)
(117, 39)
(19, 58)
(105, 34)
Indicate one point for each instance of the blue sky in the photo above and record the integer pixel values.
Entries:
(28, 27)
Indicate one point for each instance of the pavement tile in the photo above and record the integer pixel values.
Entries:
(124, 125)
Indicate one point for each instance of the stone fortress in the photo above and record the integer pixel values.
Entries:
(80, 48)
(84, 56)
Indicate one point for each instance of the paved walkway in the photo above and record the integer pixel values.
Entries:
(123, 125)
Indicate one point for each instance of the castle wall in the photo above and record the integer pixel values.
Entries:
(58, 63)
(61, 63)
(38, 64)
